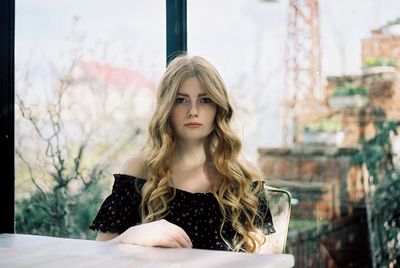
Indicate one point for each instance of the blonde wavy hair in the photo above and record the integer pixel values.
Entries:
(234, 190)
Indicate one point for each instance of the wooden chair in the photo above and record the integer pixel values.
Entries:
(280, 205)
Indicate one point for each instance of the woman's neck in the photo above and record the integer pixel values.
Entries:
(193, 169)
(191, 152)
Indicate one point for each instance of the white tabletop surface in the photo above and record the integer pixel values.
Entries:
(19, 250)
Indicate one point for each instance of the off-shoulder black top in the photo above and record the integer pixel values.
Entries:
(196, 213)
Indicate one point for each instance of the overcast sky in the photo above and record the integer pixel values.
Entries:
(245, 39)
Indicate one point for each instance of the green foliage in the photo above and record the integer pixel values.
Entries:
(85, 209)
(383, 198)
(387, 207)
(327, 125)
(379, 62)
(59, 213)
(349, 90)
(298, 224)
(376, 152)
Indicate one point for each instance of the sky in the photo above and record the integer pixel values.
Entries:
(244, 39)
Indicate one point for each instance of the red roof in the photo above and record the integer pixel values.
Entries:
(119, 77)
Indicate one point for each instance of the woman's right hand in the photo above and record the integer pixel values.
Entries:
(159, 233)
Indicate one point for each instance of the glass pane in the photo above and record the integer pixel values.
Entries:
(238, 37)
(304, 54)
(86, 74)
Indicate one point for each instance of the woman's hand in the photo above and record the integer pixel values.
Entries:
(159, 233)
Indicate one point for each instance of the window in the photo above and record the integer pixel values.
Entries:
(85, 81)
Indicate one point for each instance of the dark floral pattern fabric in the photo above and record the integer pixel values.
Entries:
(197, 213)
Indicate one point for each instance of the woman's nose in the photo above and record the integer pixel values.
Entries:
(193, 111)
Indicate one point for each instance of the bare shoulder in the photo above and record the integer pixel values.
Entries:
(133, 165)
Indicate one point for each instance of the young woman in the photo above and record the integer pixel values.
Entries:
(188, 187)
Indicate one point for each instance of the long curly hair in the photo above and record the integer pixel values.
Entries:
(233, 187)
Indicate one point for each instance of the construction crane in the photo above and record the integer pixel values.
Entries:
(302, 89)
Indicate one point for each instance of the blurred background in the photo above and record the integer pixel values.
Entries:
(314, 84)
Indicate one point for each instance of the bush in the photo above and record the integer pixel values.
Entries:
(383, 197)
(59, 213)
(379, 62)
(349, 91)
(323, 125)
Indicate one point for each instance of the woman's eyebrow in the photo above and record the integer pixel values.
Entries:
(186, 95)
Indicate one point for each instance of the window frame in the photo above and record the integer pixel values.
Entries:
(176, 44)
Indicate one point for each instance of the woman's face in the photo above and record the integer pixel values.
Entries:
(193, 113)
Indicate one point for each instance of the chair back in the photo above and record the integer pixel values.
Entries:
(279, 202)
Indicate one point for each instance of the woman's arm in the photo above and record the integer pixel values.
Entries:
(159, 233)
(132, 166)
(105, 236)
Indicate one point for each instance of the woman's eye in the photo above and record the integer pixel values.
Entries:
(181, 100)
(205, 100)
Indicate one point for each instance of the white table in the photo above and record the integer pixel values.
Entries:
(19, 250)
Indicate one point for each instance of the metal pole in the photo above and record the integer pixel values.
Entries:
(176, 28)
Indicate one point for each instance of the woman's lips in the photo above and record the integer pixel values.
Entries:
(193, 125)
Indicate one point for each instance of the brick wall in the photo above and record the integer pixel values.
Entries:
(387, 93)
(383, 88)
(384, 94)
(381, 45)
(322, 179)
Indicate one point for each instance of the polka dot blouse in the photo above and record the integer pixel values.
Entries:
(197, 213)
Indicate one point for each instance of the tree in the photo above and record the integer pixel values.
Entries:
(64, 151)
